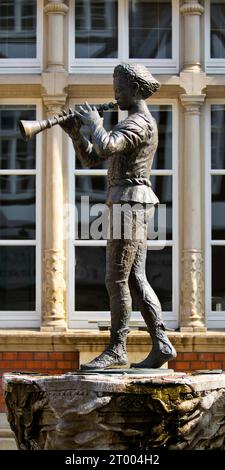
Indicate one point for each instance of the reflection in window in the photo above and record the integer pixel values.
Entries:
(90, 278)
(17, 278)
(218, 285)
(218, 136)
(18, 20)
(217, 33)
(17, 207)
(162, 187)
(96, 29)
(14, 152)
(218, 207)
(163, 117)
(150, 29)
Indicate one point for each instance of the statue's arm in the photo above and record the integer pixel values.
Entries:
(123, 139)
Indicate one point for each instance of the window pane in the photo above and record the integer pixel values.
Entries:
(162, 186)
(17, 278)
(159, 273)
(218, 285)
(163, 117)
(218, 136)
(150, 29)
(110, 120)
(18, 29)
(95, 188)
(218, 207)
(14, 152)
(217, 30)
(17, 207)
(90, 290)
(96, 29)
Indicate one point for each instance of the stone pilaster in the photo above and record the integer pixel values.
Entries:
(55, 11)
(53, 260)
(192, 11)
(192, 304)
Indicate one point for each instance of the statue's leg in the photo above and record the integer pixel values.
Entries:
(120, 255)
(149, 305)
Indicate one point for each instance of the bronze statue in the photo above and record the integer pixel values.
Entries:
(129, 148)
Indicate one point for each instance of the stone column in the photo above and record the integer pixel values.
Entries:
(192, 11)
(55, 10)
(53, 260)
(192, 304)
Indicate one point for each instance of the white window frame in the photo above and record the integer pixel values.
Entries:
(25, 66)
(86, 319)
(213, 319)
(29, 318)
(212, 65)
(90, 66)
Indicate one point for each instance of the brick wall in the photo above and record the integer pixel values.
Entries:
(198, 360)
(44, 362)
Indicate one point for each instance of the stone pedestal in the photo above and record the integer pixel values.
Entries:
(164, 410)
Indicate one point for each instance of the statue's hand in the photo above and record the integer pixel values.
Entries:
(71, 125)
(88, 115)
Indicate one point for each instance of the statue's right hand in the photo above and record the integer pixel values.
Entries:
(71, 125)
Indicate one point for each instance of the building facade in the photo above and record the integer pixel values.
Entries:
(58, 54)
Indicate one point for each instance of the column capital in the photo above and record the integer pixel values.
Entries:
(56, 7)
(192, 103)
(192, 310)
(54, 103)
(192, 8)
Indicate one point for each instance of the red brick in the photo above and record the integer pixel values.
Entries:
(205, 356)
(56, 356)
(179, 356)
(214, 365)
(40, 356)
(9, 356)
(70, 356)
(36, 365)
(181, 365)
(48, 365)
(28, 356)
(65, 365)
(190, 356)
(198, 365)
(219, 356)
(10, 365)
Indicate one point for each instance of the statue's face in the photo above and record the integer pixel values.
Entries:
(124, 93)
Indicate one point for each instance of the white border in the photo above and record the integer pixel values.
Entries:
(85, 319)
(28, 319)
(213, 319)
(90, 66)
(28, 65)
(212, 66)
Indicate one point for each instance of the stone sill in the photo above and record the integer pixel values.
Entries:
(90, 340)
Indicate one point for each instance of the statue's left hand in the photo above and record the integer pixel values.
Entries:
(88, 115)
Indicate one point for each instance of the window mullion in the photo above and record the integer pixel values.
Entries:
(123, 30)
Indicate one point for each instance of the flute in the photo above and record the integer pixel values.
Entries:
(29, 129)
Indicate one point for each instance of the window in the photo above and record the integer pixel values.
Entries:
(215, 36)
(19, 221)
(215, 220)
(108, 31)
(87, 296)
(20, 35)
